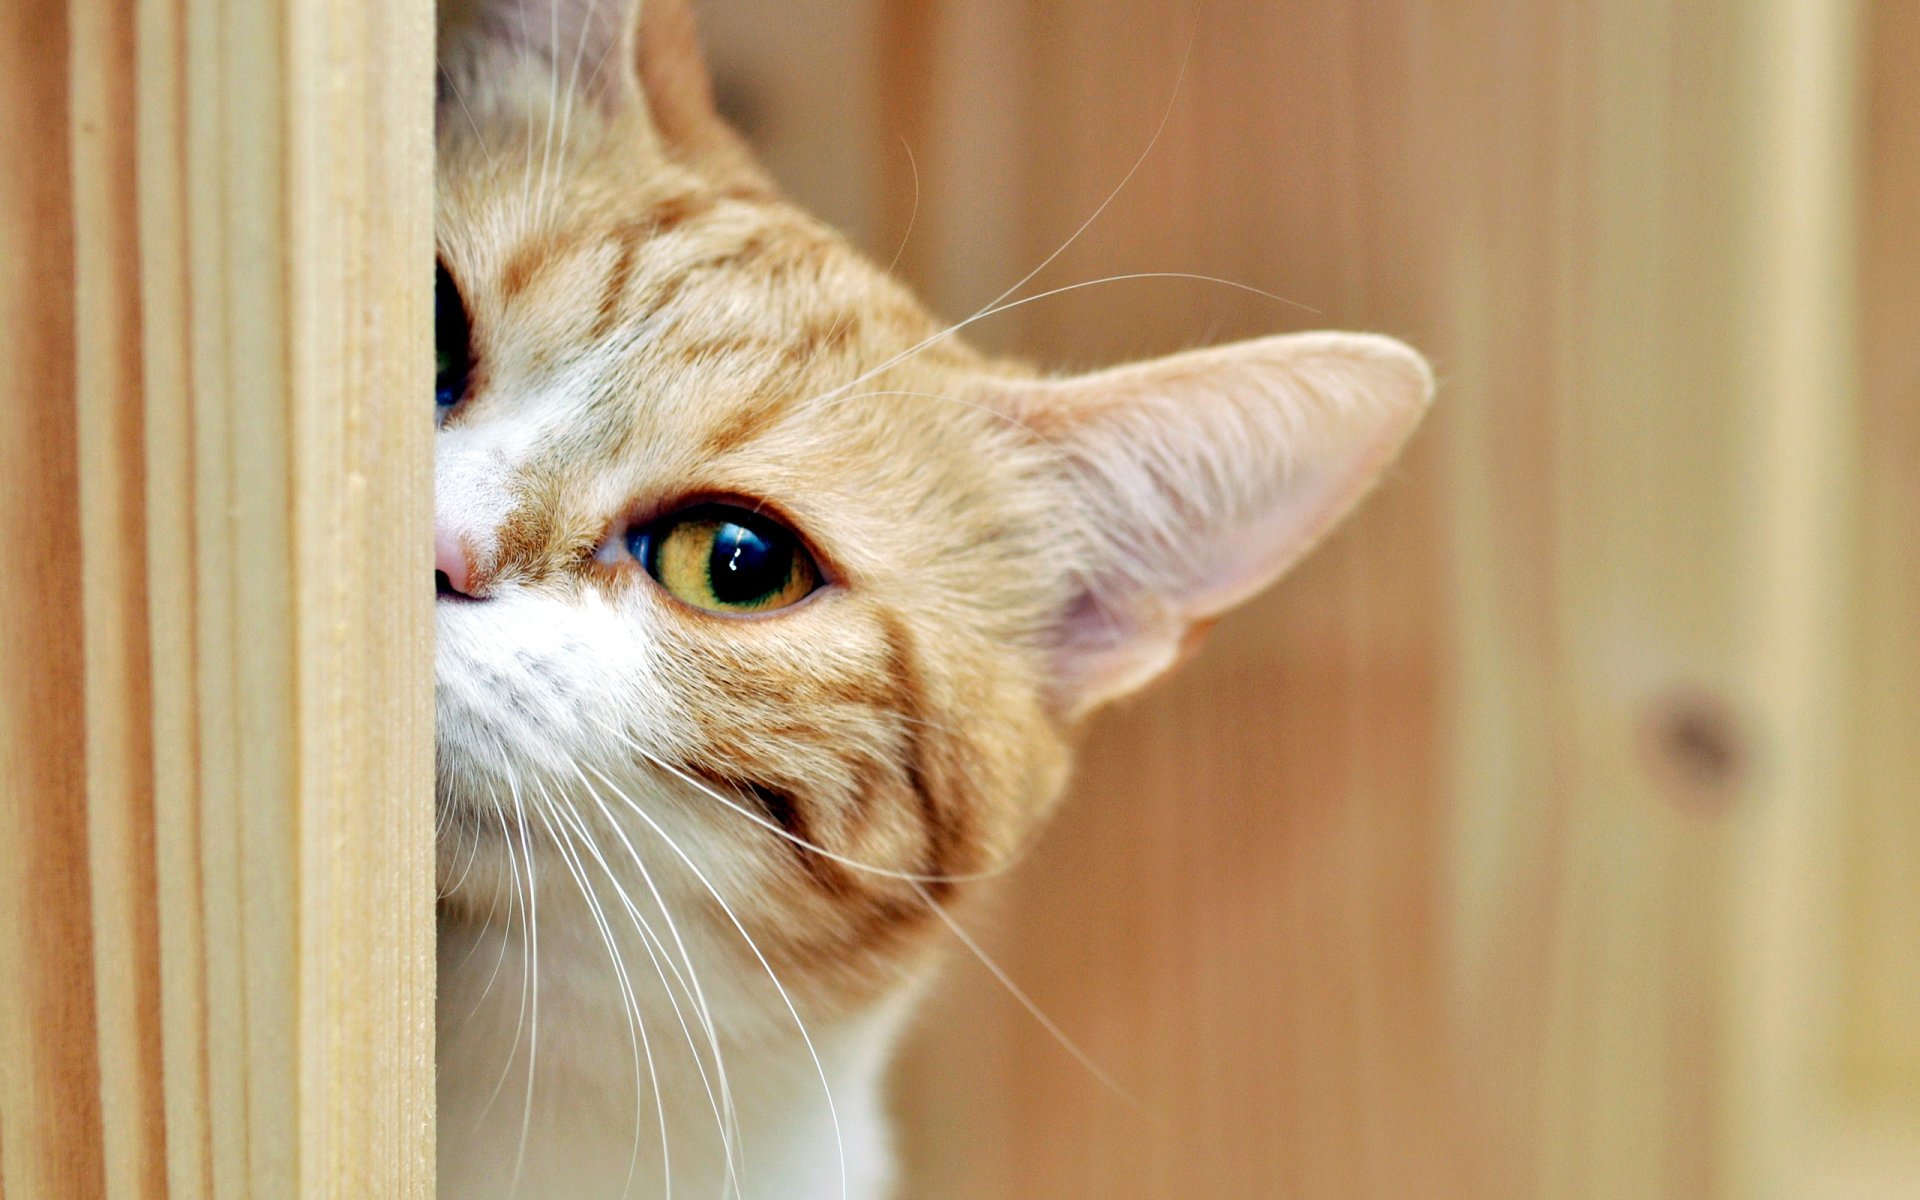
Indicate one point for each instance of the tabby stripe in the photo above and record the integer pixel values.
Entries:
(909, 700)
(749, 424)
(615, 289)
(786, 810)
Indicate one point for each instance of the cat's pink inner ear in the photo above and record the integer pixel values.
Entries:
(1199, 479)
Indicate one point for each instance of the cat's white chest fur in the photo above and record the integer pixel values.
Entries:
(589, 1131)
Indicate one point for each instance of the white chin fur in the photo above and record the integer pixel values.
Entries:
(590, 1131)
(543, 711)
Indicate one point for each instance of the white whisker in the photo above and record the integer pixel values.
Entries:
(774, 828)
(526, 187)
(473, 851)
(1000, 304)
(918, 882)
(506, 933)
(519, 1023)
(636, 1023)
(724, 1113)
(913, 214)
(472, 124)
(1160, 129)
(819, 1066)
(553, 103)
(533, 984)
(663, 964)
(1047, 1023)
(573, 80)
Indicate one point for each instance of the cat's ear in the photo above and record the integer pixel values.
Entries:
(629, 58)
(508, 55)
(672, 77)
(1198, 479)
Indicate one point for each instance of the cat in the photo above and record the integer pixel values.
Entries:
(768, 611)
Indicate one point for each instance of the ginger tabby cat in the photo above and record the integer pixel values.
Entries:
(768, 611)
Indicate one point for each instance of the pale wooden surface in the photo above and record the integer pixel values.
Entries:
(1848, 1037)
(360, 105)
(1551, 833)
(217, 969)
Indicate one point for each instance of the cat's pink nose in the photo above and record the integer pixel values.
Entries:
(452, 564)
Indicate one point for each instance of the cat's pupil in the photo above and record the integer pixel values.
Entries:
(453, 341)
(746, 565)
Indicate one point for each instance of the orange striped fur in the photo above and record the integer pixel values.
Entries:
(717, 831)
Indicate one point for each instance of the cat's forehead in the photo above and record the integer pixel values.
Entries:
(641, 339)
(666, 298)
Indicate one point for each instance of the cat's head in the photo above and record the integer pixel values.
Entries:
(764, 599)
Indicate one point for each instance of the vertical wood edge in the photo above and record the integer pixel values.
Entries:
(360, 252)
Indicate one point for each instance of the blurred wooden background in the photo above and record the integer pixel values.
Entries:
(1554, 831)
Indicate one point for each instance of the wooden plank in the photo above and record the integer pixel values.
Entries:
(49, 1069)
(1827, 1080)
(216, 718)
(1598, 705)
(361, 235)
(288, 505)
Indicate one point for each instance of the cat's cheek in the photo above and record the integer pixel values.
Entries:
(538, 683)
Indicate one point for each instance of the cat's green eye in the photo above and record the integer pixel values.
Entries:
(726, 559)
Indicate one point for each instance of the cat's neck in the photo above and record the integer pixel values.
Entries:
(795, 1109)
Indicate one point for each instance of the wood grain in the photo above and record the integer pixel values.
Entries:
(110, 406)
(361, 230)
(217, 700)
(49, 1066)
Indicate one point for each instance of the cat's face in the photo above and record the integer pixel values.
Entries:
(761, 597)
(670, 372)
